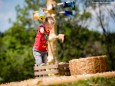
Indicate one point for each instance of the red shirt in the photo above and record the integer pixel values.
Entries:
(40, 43)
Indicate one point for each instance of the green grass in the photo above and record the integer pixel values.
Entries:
(92, 82)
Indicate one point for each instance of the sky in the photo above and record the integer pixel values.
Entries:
(7, 10)
(108, 21)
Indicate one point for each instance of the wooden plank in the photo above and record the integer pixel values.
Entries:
(64, 69)
(45, 67)
(46, 72)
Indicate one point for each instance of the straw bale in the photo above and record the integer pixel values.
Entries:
(89, 65)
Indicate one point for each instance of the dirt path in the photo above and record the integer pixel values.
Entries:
(58, 79)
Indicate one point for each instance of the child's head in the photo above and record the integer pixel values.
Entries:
(49, 23)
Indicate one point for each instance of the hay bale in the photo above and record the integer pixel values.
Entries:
(89, 65)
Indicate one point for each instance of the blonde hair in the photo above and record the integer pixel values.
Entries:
(50, 20)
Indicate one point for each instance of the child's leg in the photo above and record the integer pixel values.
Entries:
(37, 56)
(44, 57)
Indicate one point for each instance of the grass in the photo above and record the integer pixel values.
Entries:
(92, 82)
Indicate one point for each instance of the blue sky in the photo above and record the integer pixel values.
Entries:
(7, 10)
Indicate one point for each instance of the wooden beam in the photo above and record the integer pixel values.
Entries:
(46, 72)
(45, 67)
(52, 46)
(46, 81)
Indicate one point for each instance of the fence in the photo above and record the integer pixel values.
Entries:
(49, 70)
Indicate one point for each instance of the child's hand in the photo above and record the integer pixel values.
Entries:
(53, 37)
(61, 36)
(41, 30)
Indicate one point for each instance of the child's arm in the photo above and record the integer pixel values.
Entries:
(53, 37)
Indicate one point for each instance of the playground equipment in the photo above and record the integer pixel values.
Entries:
(39, 15)
(67, 4)
(82, 66)
(51, 70)
(51, 11)
(76, 66)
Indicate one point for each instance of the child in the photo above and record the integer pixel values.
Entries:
(40, 44)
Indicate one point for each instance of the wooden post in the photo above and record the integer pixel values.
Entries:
(52, 45)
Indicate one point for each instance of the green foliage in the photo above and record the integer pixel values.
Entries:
(16, 57)
(110, 44)
(85, 16)
(80, 42)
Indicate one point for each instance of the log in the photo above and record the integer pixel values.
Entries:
(49, 81)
